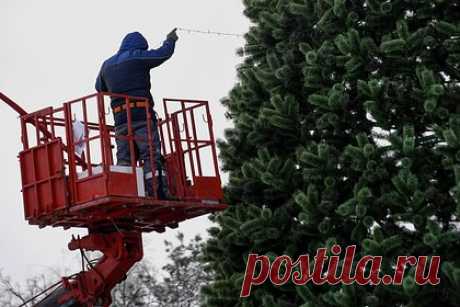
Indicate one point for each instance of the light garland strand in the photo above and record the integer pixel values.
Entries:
(209, 32)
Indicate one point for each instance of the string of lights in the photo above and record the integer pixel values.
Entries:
(208, 32)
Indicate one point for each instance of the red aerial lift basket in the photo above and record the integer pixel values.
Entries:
(70, 179)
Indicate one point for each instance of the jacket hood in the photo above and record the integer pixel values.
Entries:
(134, 40)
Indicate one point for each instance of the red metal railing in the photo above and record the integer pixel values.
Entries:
(184, 144)
(187, 144)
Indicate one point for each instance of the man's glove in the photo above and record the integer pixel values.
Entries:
(172, 35)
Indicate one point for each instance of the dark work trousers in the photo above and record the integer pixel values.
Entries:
(141, 148)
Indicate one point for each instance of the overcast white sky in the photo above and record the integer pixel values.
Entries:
(51, 51)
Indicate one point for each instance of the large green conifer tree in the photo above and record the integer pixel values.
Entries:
(346, 130)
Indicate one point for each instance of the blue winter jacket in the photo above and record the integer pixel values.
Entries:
(128, 72)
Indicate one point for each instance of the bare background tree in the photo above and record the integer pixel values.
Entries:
(13, 294)
(176, 284)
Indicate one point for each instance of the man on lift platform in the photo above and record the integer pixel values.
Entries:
(128, 72)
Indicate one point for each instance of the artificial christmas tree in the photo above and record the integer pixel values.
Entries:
(346, 131)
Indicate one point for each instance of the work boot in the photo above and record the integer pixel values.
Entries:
(163, 191)
(149, 187)
(162, 188)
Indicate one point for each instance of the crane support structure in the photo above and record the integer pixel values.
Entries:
(69, 179)
(121, 250)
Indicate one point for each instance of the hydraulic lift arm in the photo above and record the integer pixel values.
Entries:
(12, 104)
(121, 250)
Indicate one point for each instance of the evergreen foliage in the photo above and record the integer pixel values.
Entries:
(346, 130)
